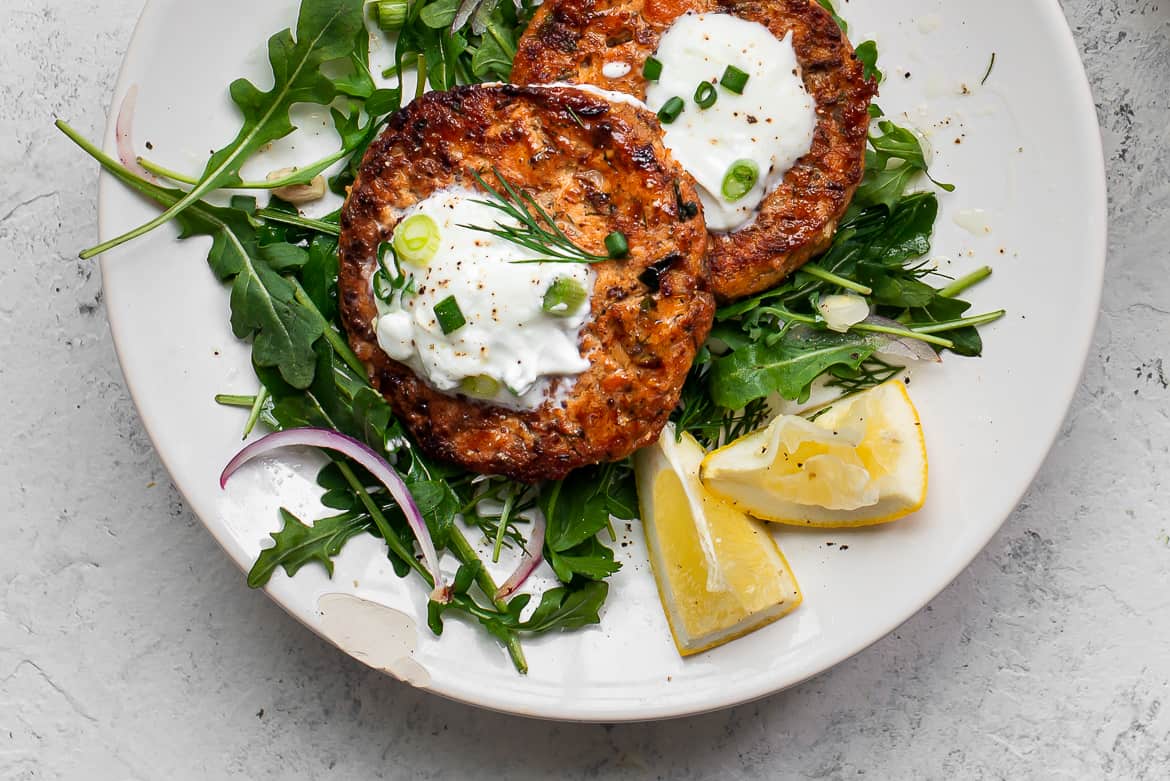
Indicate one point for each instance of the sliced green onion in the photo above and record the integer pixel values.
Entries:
(481, 385)
(391, 14)
(734, 79)
(382, 287)
(616, 245)
(705, 94)
(740, 178)
(652, 70)
(563, 297)
(670, 110)
(416, 239)
(449, 315)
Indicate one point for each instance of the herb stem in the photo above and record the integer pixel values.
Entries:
(905, 333)
(286, 218)
(827, 276)
(466, 554)
(257, 406)
(503, 524)
(393, 542)
(963, 322)
(921, 336)
(232, 400)
(987, 73)
(159, 170)
(962, 283)
(299, 175)
(339, 345)
(420, 84)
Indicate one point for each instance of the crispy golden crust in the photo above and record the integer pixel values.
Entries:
(596, 167)
(570, 40)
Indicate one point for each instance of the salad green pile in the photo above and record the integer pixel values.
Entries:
(282, 271)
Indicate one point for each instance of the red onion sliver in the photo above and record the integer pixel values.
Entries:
(903, 347)
(368, 458)
(124, 135)
(528, 562)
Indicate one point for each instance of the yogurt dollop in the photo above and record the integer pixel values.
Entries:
(508, 336)
(772, 123)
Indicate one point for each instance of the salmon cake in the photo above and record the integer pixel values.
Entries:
(514, 358)
(763, 101)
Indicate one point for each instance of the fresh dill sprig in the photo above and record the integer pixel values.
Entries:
(495, 507)
(872, 372)
(535, 229)
(709, 423)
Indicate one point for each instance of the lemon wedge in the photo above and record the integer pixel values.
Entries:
(859, 463)
(720, 574)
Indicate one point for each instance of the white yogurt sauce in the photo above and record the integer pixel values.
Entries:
(772, 123)
(615, 70)
(508, 335)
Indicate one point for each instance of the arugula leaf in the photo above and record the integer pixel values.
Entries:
(564, 608)
(885, 184)
(263, 302)
(326, 32)
(786, 367)
(319, 275)
(591, 560)
(440, 14)
(298, 544)
(493, 58)
(867, 53)
(576, 509)
(828, 6)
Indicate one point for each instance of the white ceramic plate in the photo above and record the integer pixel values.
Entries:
(1024, 149)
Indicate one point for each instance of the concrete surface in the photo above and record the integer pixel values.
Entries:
(130, 647)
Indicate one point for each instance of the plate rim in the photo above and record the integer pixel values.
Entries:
(1097, 206)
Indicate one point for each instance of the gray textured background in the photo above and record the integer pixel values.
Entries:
(1049, 657)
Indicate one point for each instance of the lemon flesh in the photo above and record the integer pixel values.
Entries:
(861, 462)
(720, 574)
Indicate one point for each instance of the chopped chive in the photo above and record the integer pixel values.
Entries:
(962, 322)
(734, 79)
(449, 315)
(233, 400)
(652, 69)
(740, 178)
(563, 297)
(814, 270)
(391, 14)
(962, 283)
(616, 245)
(382, 287)
(705, 94)
(670, 110)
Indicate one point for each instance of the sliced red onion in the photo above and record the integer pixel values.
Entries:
(326, 439)
(902, 346)
(464, 12)
(528, 562)
(124, 135)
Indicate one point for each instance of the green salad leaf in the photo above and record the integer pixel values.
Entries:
(327, 31)
(298, 544)
(787, 366)
(828, 6)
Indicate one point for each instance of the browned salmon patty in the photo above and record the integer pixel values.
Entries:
(596, 167)
(571, 40)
